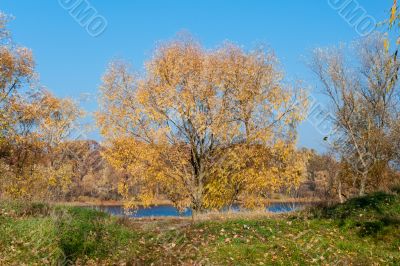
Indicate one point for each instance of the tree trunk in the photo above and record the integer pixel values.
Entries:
(340, 192)
(363, 183)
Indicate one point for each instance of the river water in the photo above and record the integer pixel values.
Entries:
(168, 210)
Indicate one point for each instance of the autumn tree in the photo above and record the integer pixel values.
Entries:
(364, 94)
(92, 175)
(40, 125)
(323, 175)
(57, 120)
(204, 127)
(16, 71)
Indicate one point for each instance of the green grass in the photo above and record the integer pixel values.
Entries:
(363, 231)
(61, 235)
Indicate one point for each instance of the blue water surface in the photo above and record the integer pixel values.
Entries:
(171, 211)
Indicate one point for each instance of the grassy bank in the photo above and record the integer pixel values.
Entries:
(363, 231)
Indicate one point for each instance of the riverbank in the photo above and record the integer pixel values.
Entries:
(363, 231)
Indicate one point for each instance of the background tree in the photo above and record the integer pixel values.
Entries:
(16, 71)
(199, 117)
(57, 121)
(323, 172)
(364, 95)
(40, 124)
(92, 176)
(33, 126)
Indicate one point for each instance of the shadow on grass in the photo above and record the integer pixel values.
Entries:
(370, 214)
(81, 232)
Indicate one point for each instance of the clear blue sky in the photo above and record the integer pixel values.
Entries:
(71, 62)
